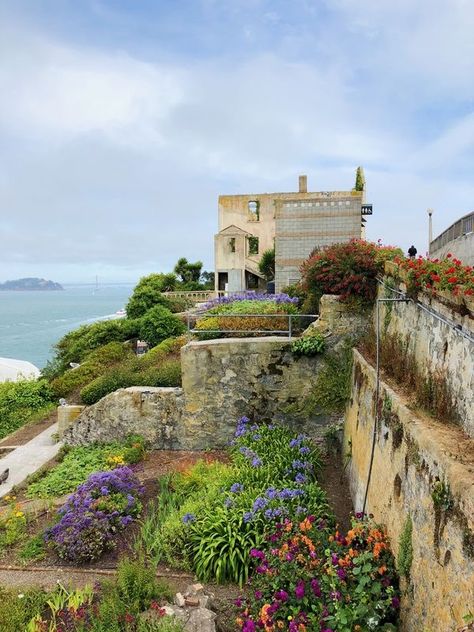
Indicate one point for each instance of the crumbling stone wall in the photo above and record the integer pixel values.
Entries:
(423, 469)
(222, 380)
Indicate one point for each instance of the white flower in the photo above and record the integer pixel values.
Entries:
(20, 596)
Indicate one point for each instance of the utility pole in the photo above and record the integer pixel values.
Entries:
(430, 229)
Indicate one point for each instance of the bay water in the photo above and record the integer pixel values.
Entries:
(32, 322)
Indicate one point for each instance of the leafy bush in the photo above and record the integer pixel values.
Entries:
(266, 265)
(76, 345)
(349, 269)
(21, 401)
(331, 390)
(147, 294)
(158, 324)
(94, 365)
(132, 374)
(82, 461)
(309, 345)
(90, 519)
(309, 579)
(137, 585)
(12, 524)
(18, 607)
(221, 511)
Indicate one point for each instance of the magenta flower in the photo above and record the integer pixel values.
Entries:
(299, 590)
(316, 588)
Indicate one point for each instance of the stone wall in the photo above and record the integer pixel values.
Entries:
(222, 380)
(414, 456)
(437, 347)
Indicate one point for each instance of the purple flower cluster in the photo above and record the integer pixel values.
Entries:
(91, 517)
(252, 456)
(251, 296)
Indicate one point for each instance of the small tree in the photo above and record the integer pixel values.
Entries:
(188, 272)
(360, 180)
(147, 293)
(266, 264)
(158, 324)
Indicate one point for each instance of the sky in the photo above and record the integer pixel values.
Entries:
(121, 121)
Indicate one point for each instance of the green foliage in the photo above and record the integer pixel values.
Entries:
(331, 391)
(309, 345)
(158, 324)
(188, 272)
(442, 497)
(349, 269)
(12, 525)
(405, 549)
(96, 363)
(81, 461)
(76, 345)
(332, 438)
(33, 549)
(266, 265)
(137, 585)
(147, 294)
(19, 606)
(132, 374)
(252, 242)
(22, 401)
(360, 180)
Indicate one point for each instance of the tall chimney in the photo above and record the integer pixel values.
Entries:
(303, 182)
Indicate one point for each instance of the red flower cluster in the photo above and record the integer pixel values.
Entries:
(434, 275)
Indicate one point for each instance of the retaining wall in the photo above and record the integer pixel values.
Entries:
(414, 456)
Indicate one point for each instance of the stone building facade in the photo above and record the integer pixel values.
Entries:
(295, 223)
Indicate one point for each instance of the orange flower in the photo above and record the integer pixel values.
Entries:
(239, 622)
(382, 569)
(305, 525)
(378, 548)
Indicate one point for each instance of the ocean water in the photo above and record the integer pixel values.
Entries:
(31, 322)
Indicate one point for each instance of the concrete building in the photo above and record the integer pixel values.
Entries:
(458, 239)
(295, 223)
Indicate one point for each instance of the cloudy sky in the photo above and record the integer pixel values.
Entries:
(121, 121)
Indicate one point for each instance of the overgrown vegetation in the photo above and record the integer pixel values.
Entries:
(111, 606)
(220, 512)
(331, 390)
(266, 265)
(80, 462)
(23, 401)
(347, 269)
(431, 389)
(310, 344)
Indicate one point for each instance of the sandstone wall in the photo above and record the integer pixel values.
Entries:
(437, 347)
(412, 455)
(222, 380)
(155, 413)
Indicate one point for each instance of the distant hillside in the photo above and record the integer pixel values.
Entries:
(31, 283)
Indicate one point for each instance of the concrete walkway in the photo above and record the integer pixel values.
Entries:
(28, 458)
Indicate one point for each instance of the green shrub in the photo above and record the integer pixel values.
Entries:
(137, 585)
(349, 269)
(132, 374)
(81, 461)
(158, 324)
(147, 294)
(22, 401)
(96, 363)
(33, 549)
(76, 345)
(331, 391)
(309, 345)
(19, 607)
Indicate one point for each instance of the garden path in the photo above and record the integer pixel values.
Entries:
(28, 458)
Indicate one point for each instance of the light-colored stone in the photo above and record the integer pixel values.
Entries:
(412, 452)
(201, 620)
(436, 346)
(66, 416)
(179, 600)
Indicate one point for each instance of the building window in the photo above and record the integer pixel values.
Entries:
(232, 244)
(252, 245)
(254, 210)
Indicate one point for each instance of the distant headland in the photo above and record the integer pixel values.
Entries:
(31, 283)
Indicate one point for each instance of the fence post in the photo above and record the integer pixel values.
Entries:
(188, 321)
(289, 326)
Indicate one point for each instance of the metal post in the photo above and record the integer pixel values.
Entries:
(289, 326)
(377, 385)
(188, 321)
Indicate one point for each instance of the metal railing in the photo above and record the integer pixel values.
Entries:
(295, 326)
(463, 226)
